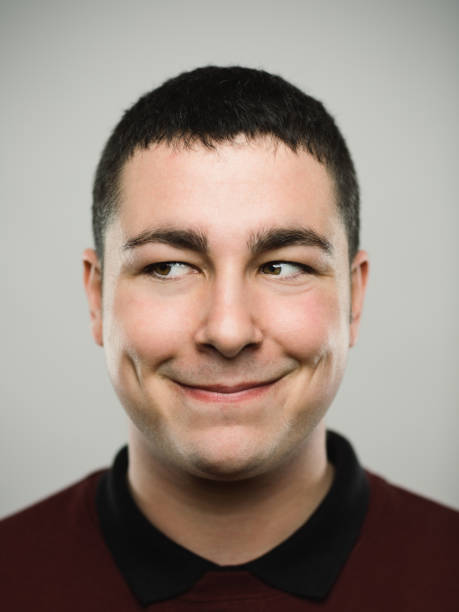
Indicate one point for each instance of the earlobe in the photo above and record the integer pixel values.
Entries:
(92, 279)
(359, 279)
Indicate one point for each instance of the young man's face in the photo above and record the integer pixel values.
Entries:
(226, 303)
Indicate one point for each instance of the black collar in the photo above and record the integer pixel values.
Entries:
(307, 564)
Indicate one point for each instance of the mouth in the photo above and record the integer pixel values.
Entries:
(227, 393)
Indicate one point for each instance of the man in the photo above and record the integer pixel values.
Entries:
(226, 287)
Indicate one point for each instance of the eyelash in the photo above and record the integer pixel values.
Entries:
(150, 269)
(304, 269)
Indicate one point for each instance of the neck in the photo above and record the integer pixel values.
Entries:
(230, 523)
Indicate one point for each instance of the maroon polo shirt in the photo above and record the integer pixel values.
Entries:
(369, 546)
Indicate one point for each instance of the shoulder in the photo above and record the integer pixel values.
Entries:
(411, 544)
(411, 524)
(53, 555)
(398, 508)
(61, 508)
(406, 556)
(49, 533)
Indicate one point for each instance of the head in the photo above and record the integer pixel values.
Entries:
(215, 105)
(226, 225)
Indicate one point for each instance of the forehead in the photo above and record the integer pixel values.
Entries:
(227, 192)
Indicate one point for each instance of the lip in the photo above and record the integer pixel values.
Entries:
(227, 393)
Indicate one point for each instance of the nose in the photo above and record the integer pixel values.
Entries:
(229, 323)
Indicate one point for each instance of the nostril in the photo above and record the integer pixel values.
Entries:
(228, 340)
(228, 353)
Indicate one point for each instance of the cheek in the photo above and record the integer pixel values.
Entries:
(148, 328)
(310, 325)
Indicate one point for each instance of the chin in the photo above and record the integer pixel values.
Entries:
(225, 469)
(229, 458)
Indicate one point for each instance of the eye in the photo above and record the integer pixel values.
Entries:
(166, 270)
(285, 269)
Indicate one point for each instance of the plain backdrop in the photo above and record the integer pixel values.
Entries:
(388, 72)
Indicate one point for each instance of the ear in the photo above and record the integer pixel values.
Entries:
(359, 278)
(92, 279)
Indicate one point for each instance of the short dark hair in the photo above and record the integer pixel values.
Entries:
(213, 104)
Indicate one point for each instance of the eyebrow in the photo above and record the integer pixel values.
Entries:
(258, 243)
(186, 239)
(279, 238)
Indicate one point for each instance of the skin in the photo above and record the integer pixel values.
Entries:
(226, 361)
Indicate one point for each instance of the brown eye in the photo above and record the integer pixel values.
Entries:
(162, 269)
(169, 270)
(272, 268)
(285, 269)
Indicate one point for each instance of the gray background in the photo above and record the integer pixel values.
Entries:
(387, 71)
